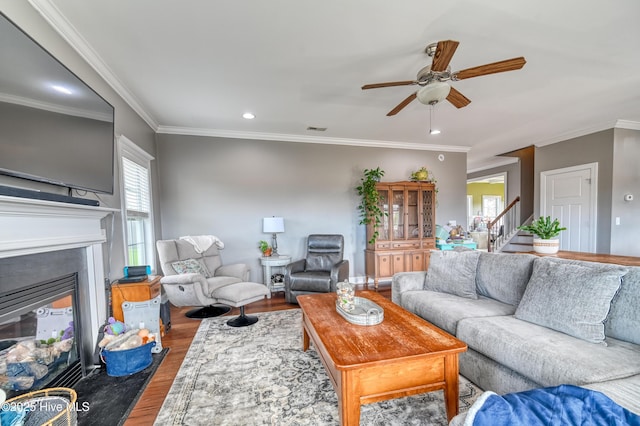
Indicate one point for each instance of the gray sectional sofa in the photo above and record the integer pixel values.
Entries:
(532, 321)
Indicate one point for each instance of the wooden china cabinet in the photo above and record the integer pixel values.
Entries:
(407, 232)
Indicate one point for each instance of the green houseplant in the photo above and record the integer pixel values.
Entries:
(546, 230)
(370, 211)
(265, 248)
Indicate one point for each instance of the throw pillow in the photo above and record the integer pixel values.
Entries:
(622, 322)
(571, 298)
(453, 273)
(190, 266)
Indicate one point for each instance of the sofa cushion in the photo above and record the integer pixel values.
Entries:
(569, 297)
(504, 277)
(445, 310)
(453, 272)
(547, 356)
(624, 317)
(625, 392)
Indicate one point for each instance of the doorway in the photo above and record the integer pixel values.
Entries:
(486, 197)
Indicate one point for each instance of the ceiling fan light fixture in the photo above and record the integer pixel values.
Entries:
(433, 93)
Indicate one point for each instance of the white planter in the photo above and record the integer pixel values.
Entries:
(546, 246)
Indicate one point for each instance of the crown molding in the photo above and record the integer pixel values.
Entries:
(598, 127)
(627, 124)
(281, 137)
(62, 26)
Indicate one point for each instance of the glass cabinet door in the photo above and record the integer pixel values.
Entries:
(383, 203)
(428, 212)
(413, 227)
(397, 215)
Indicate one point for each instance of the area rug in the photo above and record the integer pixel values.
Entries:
(259, 375)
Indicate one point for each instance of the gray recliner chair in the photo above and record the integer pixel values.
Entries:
(322, 269)
(200, 279)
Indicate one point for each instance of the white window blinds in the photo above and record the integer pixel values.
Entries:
(136, 188)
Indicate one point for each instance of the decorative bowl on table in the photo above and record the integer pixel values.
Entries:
(364, 312)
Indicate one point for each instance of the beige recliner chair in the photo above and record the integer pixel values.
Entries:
(192, 278)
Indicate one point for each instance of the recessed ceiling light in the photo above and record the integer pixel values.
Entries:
(61, 89)
(248, 116)
(434, 132)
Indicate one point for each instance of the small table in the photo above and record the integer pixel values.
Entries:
(403, 355)
(267, 263)
(450, 246)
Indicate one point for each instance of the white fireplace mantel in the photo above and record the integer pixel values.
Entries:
(29, 226)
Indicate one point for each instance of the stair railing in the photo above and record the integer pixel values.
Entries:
(504, 226)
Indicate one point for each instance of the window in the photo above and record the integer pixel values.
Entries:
(135, 166)
(491, 206)
(470, 226)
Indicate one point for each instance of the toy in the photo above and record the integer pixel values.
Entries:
(68, 332)
(114, 327)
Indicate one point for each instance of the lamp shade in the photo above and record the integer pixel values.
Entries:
(272, 225)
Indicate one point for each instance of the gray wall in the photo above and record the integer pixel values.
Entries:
(626, 180)
(225, 187)
(127, 121)
(593, 148)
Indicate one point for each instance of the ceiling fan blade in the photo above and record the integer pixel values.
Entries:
(457, 99)
(443, 55)
(495, 67)
(390, 84)
(402, 104)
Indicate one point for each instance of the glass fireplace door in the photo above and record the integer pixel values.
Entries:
(37, 342)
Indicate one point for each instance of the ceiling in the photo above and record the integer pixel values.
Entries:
(195, 66)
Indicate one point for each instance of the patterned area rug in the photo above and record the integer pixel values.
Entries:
(258, 375)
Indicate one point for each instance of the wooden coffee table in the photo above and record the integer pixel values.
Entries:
(404, 355)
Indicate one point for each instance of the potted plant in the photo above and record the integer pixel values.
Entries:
(265, 248)
(546, 230)
(370, 211)
(422, 175)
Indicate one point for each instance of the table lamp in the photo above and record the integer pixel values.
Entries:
(273, 225)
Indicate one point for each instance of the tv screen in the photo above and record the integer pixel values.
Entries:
(53, 127)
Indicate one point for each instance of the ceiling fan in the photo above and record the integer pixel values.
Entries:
(432, 78)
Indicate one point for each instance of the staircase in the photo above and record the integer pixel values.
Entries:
(504, 235)
(520, 242)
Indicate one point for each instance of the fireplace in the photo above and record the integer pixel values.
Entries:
(39, 340)
(51, 275)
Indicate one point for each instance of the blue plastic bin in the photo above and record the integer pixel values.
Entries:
(128, 361)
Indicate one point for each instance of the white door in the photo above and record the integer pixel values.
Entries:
(569, 194)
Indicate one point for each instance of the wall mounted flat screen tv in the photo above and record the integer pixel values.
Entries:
(53, 127)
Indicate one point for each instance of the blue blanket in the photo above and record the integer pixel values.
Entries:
(563, 405)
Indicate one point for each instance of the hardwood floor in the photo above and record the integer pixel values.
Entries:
(178, 339)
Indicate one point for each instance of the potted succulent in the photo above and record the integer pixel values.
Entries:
(370, 211)
(265, 248)
(546, 230)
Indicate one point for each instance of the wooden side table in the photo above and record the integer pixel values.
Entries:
(133, 292)
(267, 263)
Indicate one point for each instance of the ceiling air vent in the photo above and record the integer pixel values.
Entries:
(317, 129)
